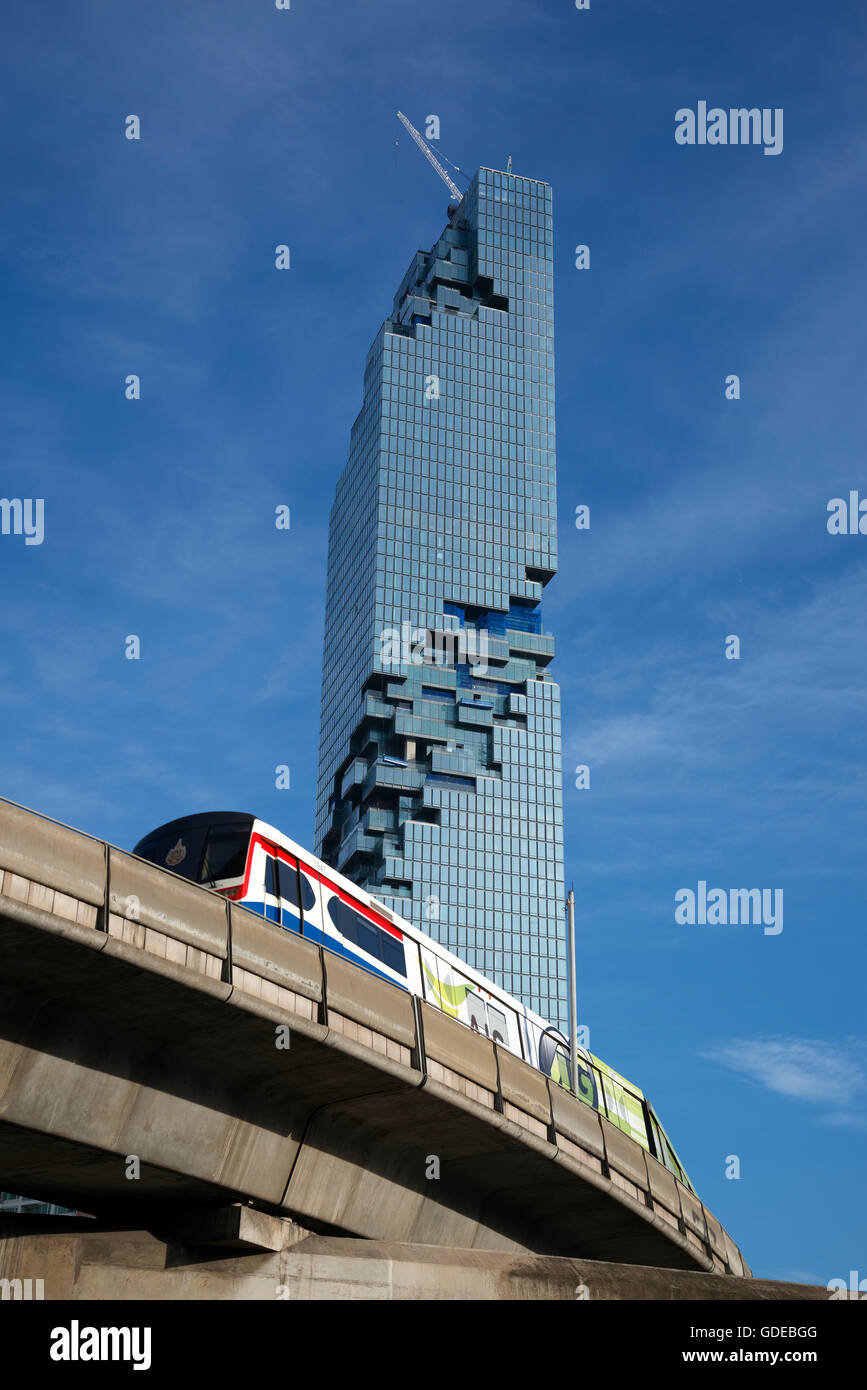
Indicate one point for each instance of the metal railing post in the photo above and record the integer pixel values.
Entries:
(573, 994)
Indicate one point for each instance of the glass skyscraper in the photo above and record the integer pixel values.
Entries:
(30, 1206)
(440, 751)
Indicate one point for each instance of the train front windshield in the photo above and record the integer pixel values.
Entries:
(203, 849)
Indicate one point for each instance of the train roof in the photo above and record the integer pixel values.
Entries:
(200, 818)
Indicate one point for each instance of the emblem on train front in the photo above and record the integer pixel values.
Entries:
(176, 855)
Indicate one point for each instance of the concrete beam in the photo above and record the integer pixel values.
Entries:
(79, 1260)
(236, 1227)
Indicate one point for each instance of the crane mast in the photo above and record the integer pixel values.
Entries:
(431, 157)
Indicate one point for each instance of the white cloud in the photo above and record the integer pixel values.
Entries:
(807, 1069)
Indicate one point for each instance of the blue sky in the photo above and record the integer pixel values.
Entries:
(708, 516)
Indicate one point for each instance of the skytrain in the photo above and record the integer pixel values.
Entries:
(264, 871)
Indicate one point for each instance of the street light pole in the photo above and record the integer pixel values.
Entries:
(573, 994)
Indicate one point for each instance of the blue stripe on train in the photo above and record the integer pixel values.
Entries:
(312, 933)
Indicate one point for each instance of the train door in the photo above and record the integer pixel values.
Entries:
(554, 1061)
(271, 908)
(624, 1106)
(287, 885)
(311, 901)
(461, 998)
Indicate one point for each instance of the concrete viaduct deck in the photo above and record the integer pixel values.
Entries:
(143, 1030)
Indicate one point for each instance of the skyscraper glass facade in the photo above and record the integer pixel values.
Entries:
(30, 1206)
(440, 750)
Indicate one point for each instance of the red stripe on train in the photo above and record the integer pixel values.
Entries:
(270, 848)
(278, 852)
(359, 907)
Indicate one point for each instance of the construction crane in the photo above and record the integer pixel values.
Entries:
(431, 157)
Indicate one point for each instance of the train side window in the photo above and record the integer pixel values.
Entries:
(659, 1151)
(393, 954)
(498, 1025)
(270, 877)
(288, 879)
(671, 1161)
(366, 935)
(587, 1088)
(353, 927)
(476, 1012)
(308, 896)
(344, 926)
